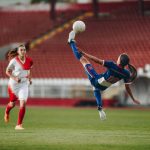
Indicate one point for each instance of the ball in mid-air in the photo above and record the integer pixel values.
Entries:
(79, 26)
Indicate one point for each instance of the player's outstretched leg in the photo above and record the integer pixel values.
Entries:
(76, 53)
(72, 44)
(97, 95)
(92, 76)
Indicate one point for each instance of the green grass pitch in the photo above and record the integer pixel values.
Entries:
(77, 129)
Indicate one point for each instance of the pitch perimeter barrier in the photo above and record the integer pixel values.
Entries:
(80, 89)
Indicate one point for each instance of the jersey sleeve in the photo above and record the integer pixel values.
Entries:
(11, 65)
(31, 63)
(108, 64)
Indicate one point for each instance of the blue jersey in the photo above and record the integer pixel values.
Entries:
(113, 74)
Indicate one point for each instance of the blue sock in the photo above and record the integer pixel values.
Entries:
(76, 53)
(90, 71)
(97, 95)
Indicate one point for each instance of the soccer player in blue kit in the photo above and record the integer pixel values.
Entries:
(114, 73)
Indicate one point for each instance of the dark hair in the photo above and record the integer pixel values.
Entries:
(13, 53)
(133, 72)
(125, 60)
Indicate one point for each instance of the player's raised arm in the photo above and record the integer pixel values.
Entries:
(93, 58)
(130, 93)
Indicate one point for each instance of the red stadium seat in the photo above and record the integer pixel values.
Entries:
(106, 37)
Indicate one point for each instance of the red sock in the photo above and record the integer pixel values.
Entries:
(21, 115)
(8, 109)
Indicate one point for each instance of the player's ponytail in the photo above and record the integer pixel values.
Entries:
(11, 54)
(133, 72)
(124, 61)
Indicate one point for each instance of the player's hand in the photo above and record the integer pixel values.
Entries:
(30, 82)
(18, 80)
(71, 36)
(136, 101)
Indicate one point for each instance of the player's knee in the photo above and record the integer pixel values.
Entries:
(95, 89)
(84, 61)
(12, 104)
(22, 103)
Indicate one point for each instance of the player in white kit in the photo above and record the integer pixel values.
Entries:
(18, 70)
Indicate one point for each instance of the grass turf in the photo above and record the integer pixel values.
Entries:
(75, 128)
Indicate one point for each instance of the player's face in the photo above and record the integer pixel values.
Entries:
(21, 51)
(118, 60)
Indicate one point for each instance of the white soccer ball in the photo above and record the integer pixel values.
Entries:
(78, 26)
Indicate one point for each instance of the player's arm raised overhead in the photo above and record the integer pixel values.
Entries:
(127, 86)
(91, 57)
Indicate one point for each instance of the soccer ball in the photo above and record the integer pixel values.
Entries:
(78, 26)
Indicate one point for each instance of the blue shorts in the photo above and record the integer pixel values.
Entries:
(93, 76)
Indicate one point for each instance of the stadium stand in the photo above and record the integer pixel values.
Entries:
(123, 30)
(106, 37)
(22, 26)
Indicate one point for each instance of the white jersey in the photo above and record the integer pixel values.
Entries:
(20, 70)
